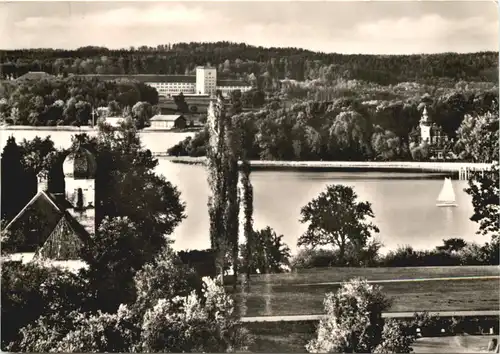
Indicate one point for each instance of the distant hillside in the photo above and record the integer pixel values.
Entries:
(235, 60)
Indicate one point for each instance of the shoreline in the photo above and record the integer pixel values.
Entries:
(68, 128)
(360, 166)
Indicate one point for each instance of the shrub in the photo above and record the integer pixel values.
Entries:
(354, 323)
(171, 314)
(367, 256)
(314, 258)
(473, 254)
(30, 291)
(194, 324)
(165, 277)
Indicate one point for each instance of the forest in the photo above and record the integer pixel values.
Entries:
(352, 120)
(237, 60)
(71, 100)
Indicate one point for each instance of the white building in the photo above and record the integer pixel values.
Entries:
(203, 83)
(206, 80)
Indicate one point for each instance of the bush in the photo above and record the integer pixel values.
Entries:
(353, 257)
(174, 312)
(30, 291)
(194, 324)
(354, 323)
(314, 258)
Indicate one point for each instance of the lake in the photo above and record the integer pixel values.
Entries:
(156, 141)
(403, 203)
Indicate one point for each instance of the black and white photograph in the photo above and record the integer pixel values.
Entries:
(250, 176)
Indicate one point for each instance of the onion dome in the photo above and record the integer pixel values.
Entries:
(80, 164)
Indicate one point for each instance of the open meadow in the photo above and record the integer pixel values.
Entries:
(411, 289)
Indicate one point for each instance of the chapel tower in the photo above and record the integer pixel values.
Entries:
(425, 127)
(79, 169)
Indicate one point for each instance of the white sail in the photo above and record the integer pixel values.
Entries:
(447, 194)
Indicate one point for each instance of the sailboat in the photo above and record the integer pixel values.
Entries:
(446, 197)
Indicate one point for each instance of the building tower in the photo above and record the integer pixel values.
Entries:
(79, 169)
(206, 80)
(425, 127)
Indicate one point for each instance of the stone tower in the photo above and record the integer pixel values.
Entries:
(425, 127)
(79, 169)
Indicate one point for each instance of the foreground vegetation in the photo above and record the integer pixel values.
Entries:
(292, 337)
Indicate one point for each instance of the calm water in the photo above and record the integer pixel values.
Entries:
(155, 141)
(404, 204)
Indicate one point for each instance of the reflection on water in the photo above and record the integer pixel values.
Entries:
(405, 208)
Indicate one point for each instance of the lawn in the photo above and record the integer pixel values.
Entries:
(291, 337)
(303, 293)
(335, 274)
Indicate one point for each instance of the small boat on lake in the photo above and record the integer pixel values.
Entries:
(446, 197)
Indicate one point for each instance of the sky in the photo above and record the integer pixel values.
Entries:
(368, 27)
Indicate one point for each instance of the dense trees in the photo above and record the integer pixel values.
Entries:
(71, 101)
(268, 65)
(354, 128)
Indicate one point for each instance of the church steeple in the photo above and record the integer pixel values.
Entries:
(425, 117)
(425, 127)
(79, 169)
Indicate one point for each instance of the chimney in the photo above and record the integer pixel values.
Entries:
(42, 179)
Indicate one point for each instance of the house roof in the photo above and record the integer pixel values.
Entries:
(166, 118)
(144, 78)
(34, 75)
(47, 210)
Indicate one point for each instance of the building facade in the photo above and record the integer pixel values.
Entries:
(432, 135)
(204, 82)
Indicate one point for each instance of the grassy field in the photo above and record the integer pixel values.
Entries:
(302, 293)
(292, 338)
(334, 274)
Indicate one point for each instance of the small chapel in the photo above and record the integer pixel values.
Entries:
(54, 226)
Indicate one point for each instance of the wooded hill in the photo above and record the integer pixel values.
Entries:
(236, 60)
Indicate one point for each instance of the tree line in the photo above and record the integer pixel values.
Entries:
(238, 60)
(71, 101)
(354, 127)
